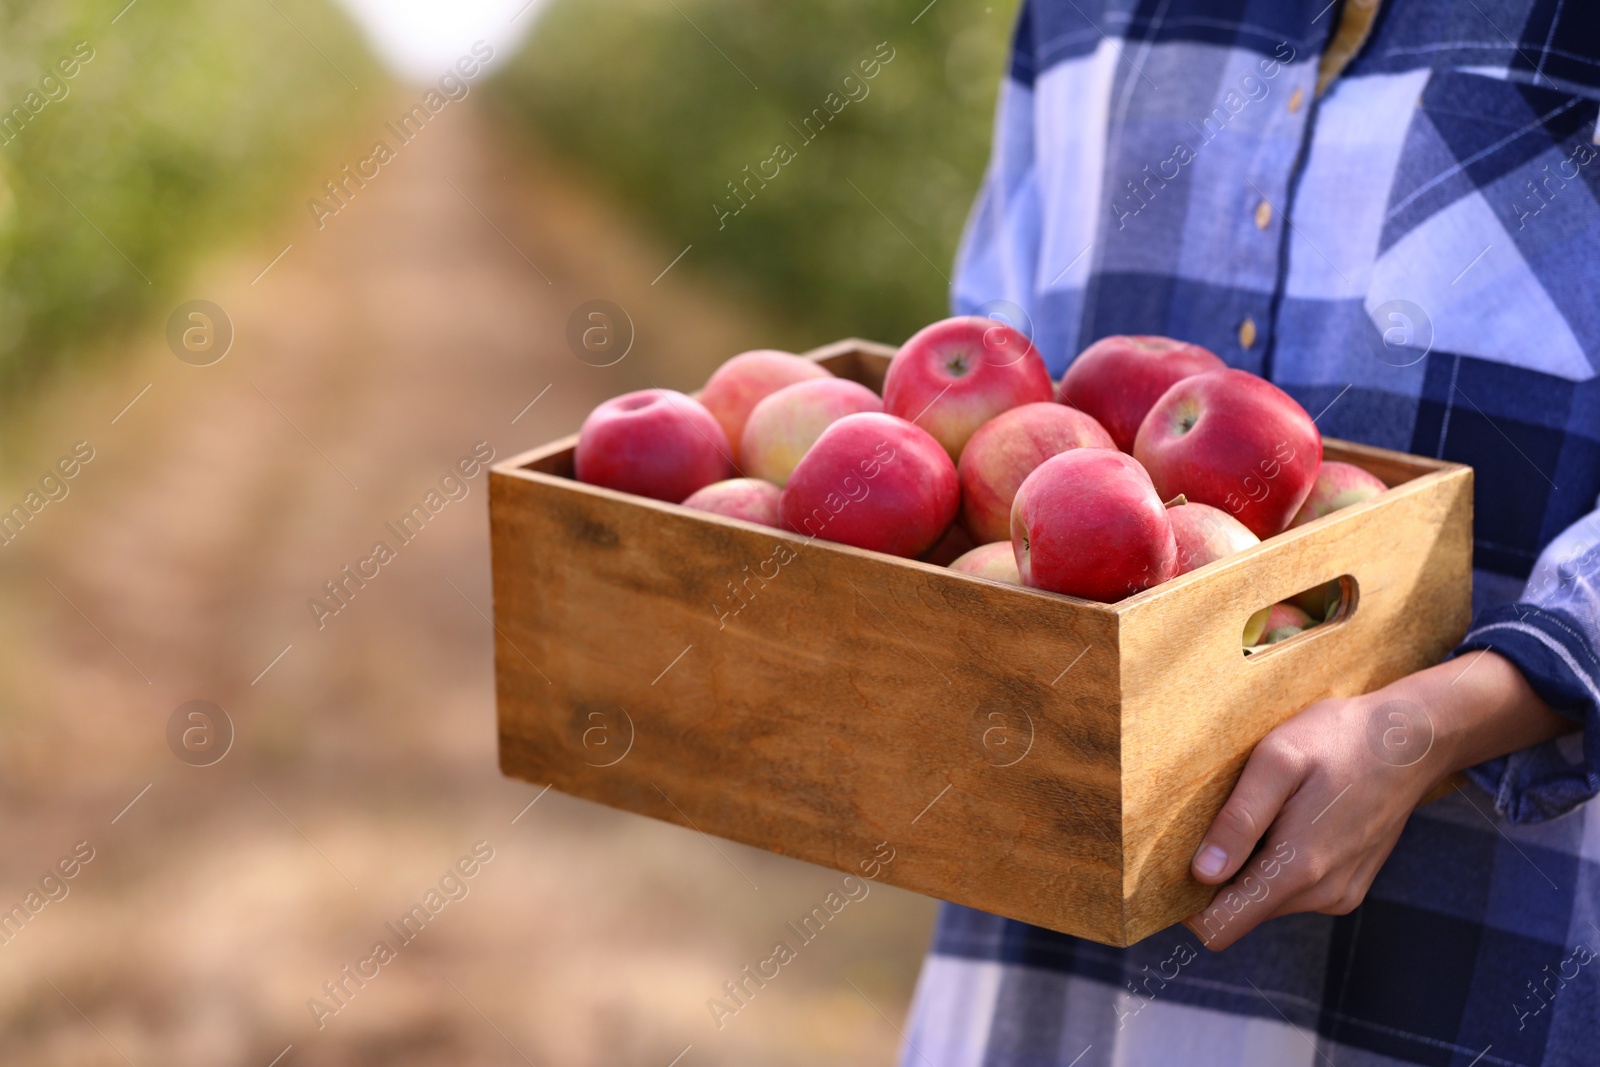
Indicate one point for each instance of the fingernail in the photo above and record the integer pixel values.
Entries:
(1210, 861)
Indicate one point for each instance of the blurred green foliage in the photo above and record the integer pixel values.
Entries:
(187, 126)
(667, 101)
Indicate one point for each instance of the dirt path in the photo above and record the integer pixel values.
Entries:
(422, 320)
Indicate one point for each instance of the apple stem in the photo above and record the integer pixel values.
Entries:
(1177, 501)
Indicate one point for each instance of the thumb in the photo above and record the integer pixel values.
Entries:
(1269, 778)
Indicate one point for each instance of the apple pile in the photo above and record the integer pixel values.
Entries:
(1150, 459)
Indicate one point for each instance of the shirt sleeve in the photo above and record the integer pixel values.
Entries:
(1552, 634)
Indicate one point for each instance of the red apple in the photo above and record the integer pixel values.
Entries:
(1235, 441)
(786, 423)
(1006, 449)
(956, 375)
(1119, 379)
(656, 443)
(1204, 534)
(737, 386)
(873, 481)
(750, 499)
(1283, 622)
(1088, 523)
(1338, 485)
(996, 561)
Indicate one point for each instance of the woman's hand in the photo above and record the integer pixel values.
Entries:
(1327, 793)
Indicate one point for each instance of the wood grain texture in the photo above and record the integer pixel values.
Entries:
(1037, 756)
(1193, 707)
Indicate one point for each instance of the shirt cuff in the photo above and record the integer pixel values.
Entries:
(1559, 661)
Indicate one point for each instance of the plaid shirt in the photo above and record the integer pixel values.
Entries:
(1413, 252)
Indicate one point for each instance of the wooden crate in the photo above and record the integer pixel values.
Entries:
(1040, 757)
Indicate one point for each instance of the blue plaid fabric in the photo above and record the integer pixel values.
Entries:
(1413, 253)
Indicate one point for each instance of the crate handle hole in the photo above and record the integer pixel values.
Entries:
(1309, 611)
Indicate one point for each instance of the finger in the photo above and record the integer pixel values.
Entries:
(1270, 777)
(1277, 878)
(1229, 916)
(1283, 879)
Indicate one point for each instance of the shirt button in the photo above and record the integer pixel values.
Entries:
(1295, 99)
(1263, 215)
(1247, 332)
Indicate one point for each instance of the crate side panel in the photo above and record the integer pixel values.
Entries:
(1195, 706)
(812, 701)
